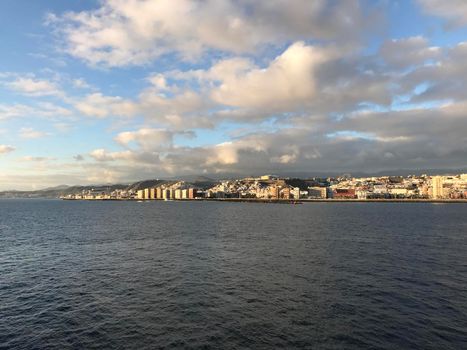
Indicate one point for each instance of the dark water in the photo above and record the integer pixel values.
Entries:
(127, 275)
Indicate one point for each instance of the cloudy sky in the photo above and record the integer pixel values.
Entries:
(122, 90)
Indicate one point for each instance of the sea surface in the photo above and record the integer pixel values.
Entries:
(210, 275)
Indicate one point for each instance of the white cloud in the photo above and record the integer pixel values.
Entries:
(224, 153)
(288, 81)
(403, 53)
(80, 83)
(303, 80)
(122, 32)
(36, 159)
(146, 138)
(180, 110)
(30, 133)
(33, 87)
(13, 111)
(455, 11)
(42, 109)
(100, 106)
(103, 176)
(63, 127)
(159, 82)
(304, 77)
(102, 155)
(443, 80)
(6, 149)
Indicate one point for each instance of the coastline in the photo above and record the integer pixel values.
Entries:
(286, 201)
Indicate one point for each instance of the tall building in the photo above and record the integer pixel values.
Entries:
(295, 193)
(191, 193)
(285, 193)
(437, 187)
(146, 193)
(140, 194)
(274, 192)
(152, 193)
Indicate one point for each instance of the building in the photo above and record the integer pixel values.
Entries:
(399, 192)
(285, 193)
(191, 193)
(437, 187)
(140, 194)
(152, 193)
(344, 193)
(274, 192)
(380, 189)
(317, 192)
(178, 194)
(146, 193)
(295, 193)
(268, 177)
(159, 193)
(362, 194)
(219, 194)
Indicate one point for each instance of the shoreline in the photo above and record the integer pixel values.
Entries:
(285, 201)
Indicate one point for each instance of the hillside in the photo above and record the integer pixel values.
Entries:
(63, 190)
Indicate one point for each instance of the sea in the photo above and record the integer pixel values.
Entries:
(222, 275)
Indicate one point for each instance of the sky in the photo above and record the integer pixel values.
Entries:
(95, 92)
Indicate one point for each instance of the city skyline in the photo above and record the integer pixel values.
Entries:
(116, 91)
(276, 188)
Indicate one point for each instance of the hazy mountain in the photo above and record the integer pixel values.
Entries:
(63, 190)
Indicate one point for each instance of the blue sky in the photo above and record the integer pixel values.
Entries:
(117, 91)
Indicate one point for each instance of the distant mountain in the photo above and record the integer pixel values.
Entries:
(395, 172)
(139, 185)
(201, 182)
(55, 192)
(405, 172)
(193, 178)
(58, 188)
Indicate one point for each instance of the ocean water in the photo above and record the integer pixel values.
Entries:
(208, 275)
